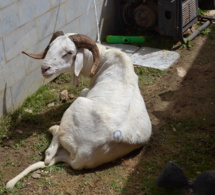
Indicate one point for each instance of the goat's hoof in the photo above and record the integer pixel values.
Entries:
(9, 185)
(46, 163)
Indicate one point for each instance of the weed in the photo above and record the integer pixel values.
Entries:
(35, 157)
(148, 75)
(63, 78)
(202, 12)
(19, 185)
(42, 142)
(210, 32)
(5, 123)
(43, 182)
(56, 167)
(18, 145)
(187, 45)
(86, 180)
(206, 31)
(2, 190)
(117, 185)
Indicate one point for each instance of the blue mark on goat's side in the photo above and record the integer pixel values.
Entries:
(117, 135)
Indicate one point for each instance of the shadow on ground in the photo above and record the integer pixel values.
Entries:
(182, 111)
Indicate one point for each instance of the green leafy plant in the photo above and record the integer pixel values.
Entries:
(202, 11)
(187, 45)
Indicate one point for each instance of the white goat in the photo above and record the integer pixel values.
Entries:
(111, 119)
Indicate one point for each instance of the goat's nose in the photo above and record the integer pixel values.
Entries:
(44, 68)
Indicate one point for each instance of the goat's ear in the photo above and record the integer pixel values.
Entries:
(78, 65)
(75, 80)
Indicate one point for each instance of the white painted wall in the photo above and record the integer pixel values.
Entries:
(28, 25)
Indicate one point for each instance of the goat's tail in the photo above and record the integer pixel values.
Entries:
(10, 184)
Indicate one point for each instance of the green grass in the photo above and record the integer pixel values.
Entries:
(57, 167)
(209, 32)
(41, 98)
(42, 142)
(148, 75)
(5, 123)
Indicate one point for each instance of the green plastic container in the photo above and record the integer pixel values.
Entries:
(125, 39)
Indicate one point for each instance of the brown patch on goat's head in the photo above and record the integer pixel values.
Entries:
(83, 41)
(42, 55)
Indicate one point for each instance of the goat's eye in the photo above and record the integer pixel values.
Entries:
(64, 55)
(67, 53)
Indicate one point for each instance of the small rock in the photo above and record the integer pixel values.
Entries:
(36, 175)
(46, 172)
(9, 143)
(20, 131)
(64, 95)
(71, 96)
(28, 110)
(50, 104)
(181, 72)
(155, 121)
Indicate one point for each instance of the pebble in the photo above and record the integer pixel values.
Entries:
(71, 96)
(64, 95)
(20, 131)
(28, 110)
(181, 72)
(36, 175)
(50, 105)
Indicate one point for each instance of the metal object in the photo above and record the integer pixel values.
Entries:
(145, 16)
(175, 17)
(194, 34)
(168, 17)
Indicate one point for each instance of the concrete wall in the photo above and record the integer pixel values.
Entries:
(28, 25)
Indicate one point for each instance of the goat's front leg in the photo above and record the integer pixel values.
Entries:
(52, 149)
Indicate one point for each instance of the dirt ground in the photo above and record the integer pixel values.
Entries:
(186, 92)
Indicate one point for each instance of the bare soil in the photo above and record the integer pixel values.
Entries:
(184, 94)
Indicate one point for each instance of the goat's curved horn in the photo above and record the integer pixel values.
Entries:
(42, 55)
(83, 41)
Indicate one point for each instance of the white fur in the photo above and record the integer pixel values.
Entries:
(108, 122)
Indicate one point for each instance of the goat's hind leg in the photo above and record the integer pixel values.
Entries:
(64, 157)
(10, 184)
(53, 147)
(50, 153)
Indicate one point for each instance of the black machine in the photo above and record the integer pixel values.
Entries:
(168, 17)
